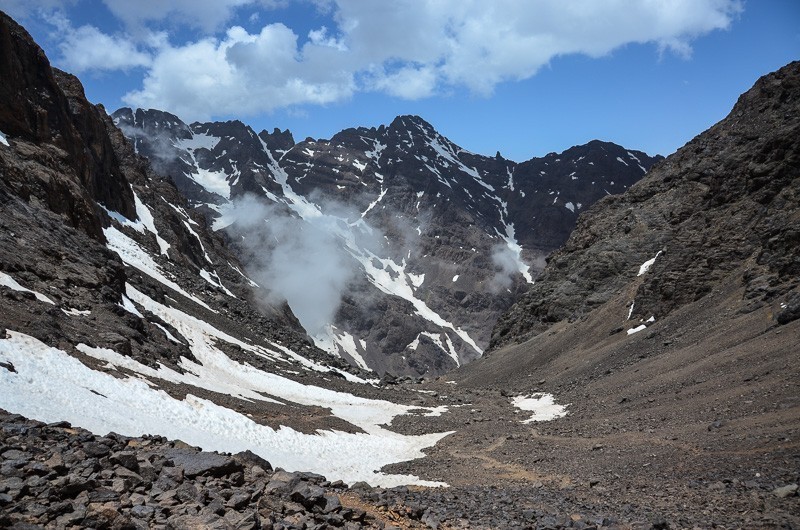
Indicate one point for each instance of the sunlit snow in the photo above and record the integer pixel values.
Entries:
(637, 329)
(135, 256)
(543, 406)
(331, 337)
(516, 249)
(11, 283)
(49, 385)
(649, 263)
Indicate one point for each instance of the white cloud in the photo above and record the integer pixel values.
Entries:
(406, 48)
(243, 74)
(88, 48)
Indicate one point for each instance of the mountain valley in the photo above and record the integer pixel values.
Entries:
(202, 326)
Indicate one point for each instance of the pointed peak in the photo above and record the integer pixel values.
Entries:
(407, 121)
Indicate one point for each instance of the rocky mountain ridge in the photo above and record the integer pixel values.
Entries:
(438, 241)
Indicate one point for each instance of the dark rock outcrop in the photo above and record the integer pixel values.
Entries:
(66, 159)
(727, 201)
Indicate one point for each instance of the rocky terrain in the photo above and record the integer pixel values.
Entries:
(123, 313)
(435, 239)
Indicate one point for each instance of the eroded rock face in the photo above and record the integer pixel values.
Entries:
(728, 200)
(439, 238)
(66, 159)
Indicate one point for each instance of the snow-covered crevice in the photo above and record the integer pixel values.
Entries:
(331, 339)
(134, 255)
(145, 223)
(217, 182)
(243, 275)
(446, 346)
(3, 140)
(213, 278)
(444, 149)
(11, 283)
(644, 267)
(375, 202)
(49, 385)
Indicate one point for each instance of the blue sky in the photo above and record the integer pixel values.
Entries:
(525, 77)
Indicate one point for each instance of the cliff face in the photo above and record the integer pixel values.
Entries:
(725, 207)
(67, 160)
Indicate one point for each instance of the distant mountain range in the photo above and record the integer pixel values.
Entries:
(404, 248)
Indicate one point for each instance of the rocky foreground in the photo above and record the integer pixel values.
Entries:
(57, 476)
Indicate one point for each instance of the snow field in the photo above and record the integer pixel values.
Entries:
(50, 385)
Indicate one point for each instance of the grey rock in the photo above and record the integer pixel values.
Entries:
(203, 463)
(790, 490)
(126, 459)
(307, 494)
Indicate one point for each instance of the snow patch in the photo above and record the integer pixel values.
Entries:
(76, 312)
(375, 202)
(644, 267)
(135, 256)
(3, 139)
(213, 278)
(11, 283)
(516, 249)
(637, 329)
(543, 406)
(333, 338)
(145, 222)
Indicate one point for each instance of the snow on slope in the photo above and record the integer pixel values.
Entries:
(11, 283)
(49, 385)
(543, 407)
(390, 277)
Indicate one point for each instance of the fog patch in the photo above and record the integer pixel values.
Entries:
(307, 263)
(506, 266)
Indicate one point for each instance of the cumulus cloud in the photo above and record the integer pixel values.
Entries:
(87, 48)
(243, 74)
(406, 48)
